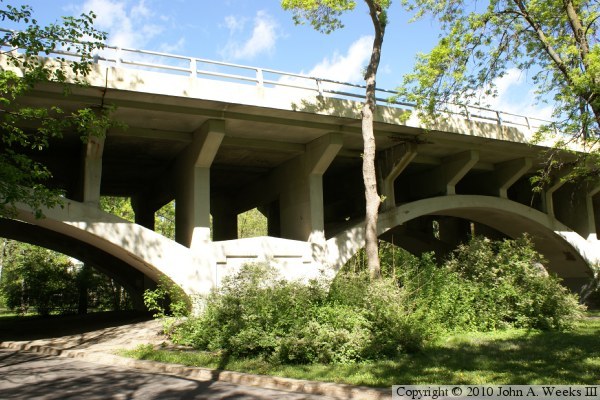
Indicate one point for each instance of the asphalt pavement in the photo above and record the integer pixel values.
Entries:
(27, 375)
(74, 358)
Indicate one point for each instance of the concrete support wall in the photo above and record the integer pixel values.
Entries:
(592, 211)
(301, 200)
(192, 183)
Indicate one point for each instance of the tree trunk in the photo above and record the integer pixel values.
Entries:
(368, 113)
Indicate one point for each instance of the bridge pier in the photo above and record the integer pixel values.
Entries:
(294, 191)
(442, 180)
(144, 212)
(391, 163)
(225, 224)
(192, 185)
(576, 207)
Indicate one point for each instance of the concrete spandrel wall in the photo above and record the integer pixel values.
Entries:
(295, 260)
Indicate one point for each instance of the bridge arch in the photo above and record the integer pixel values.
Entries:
(132, 280)
(130, 244)
(569, 255)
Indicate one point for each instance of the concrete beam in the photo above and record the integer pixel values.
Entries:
(192, 185)
(92, 169)
(391, 163)
(442, 180)
(321, 152)
(258, 144)
(507, 173)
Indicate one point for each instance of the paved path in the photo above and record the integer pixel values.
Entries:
(26, 375)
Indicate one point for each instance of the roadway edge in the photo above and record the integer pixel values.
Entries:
(333, 390)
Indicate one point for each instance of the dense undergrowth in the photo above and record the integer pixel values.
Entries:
(483, 286)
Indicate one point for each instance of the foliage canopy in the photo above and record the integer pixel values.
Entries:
(554, 42)
(22, 179)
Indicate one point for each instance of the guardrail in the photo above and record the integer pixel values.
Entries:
(263, 77)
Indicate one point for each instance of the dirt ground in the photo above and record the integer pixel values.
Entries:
(98, 332)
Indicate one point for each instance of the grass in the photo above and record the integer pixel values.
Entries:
(501, 357)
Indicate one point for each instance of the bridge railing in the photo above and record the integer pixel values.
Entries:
(263, 77)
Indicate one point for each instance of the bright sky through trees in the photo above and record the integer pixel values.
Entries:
(260, 33)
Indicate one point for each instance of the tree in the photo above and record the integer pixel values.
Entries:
(324, 16)
(556, 41)
(38, 278)
(22, 179)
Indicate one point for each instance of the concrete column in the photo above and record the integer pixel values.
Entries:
(301, 198)
(296, 189)
(273, 214)
(225, 224)
(92, 169)
(507, 173)
(577, 208)
(442, 180)
(548, 197)
(144, 213)
(591, 212)
(192, 182)
(391, 163)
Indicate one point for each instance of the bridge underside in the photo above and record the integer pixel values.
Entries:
(220, 148)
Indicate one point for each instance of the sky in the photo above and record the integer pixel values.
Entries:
(259, 33)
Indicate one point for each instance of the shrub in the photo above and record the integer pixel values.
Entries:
(485, 285)
(257, 313)
(512, 288)
(334, 334)
(168, 302)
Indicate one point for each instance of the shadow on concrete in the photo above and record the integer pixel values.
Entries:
(29, 376)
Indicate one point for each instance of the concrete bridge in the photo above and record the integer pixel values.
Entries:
(221, 139)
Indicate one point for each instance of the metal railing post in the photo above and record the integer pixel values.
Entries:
(119, 57)
(193, 68)
(319, 87)
(259, 77)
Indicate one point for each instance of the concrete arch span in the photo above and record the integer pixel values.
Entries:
(142, 249)
(568, 254)
(128, 277)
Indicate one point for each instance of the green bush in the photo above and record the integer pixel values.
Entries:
(168, 302)
(514, 290)
(334, 334)
(257, 313)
